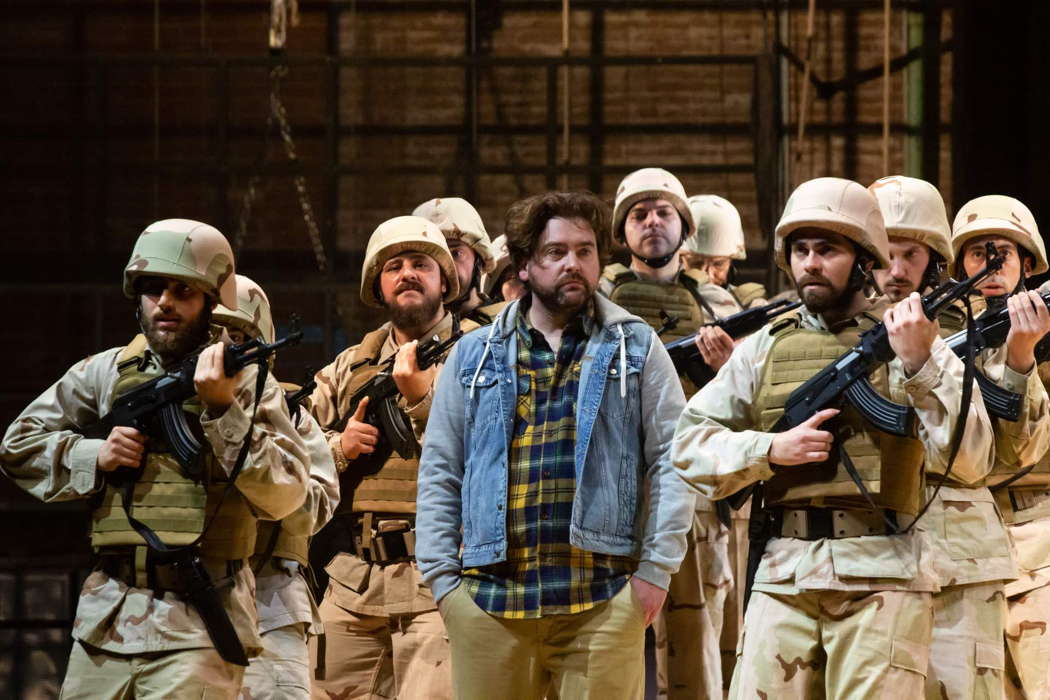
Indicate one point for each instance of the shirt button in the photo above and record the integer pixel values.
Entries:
(545, 515)
(499, 506)
(546, 474)
(612, 371)
(481, 378)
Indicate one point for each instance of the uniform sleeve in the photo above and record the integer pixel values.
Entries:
(1024, 441)
(43, 452)
(935, 392)
(322, 494)
(276, 471)
(714, 448)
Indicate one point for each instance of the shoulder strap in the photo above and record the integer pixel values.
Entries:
(617, 273)
(748, 292)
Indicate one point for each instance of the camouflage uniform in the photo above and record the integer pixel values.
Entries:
(849, 614)
(285, 606)
(384, 637)
(133, 639)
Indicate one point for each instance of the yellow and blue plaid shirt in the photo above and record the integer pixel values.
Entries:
(543, 573)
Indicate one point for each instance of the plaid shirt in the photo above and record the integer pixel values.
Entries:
(543, 574)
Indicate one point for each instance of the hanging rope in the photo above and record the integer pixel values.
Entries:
(886, 88)
(804, 100)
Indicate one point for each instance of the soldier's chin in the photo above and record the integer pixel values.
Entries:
(818, 299)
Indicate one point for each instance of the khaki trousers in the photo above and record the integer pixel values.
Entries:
(597, 654)
(834, 644)
(367, 656)
(689, 628)
(1028, 643)
(172, 675)
(966, 657)
(282, 671)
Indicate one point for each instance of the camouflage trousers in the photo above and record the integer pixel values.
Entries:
(1028, 643)
(966, 655)
(368, 656)
(172, 675)
(282, 671)
(834, 644)
(689, 628)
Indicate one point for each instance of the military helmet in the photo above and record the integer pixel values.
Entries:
(491, 278)
(401, 235)
(186, 250)
(459, 220)
(996, 214)
(914, 209)
(719, 233)
(837, 205)
(252, 315)
(649, 183)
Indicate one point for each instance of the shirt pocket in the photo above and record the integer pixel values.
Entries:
(973, 529)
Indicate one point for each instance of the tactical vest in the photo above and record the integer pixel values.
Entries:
(295, 547)
(889, 466)
(173, 505)
(393, 488)
(647, 298)
(748, 293)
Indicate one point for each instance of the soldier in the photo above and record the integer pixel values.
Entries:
(383, 635)
(652, 219)
(502, 284)
(286, 608)
(842, 596)
(550, 517)
(719, 240)
(135, 633)
(966, 656)
(1022, 493)
(472, 252)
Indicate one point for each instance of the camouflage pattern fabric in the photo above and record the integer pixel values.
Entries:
(282, 671)
(966, 656)
(1028, 644)
(806, 646)
(689, 627)
(188, 674)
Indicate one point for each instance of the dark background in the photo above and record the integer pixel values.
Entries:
(120, 112)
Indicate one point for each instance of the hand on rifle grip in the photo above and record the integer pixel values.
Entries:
(805, 443)
(124, 447)
(358, 437)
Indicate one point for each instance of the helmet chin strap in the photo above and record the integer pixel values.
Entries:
(663, 260)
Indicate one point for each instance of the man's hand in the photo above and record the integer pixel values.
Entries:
(911, 333)
(650, 597)
(412, 382)
(359, 438)
(214, 388)
(123, 448)
(1029, 322)
(805, 443)
(715, 346)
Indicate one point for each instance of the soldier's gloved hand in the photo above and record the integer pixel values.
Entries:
(910, 332)
(214, 388)
(123, 448)
(1029, 322)
(805, 443)
(358, 438)
(412, 382)
(715, 346)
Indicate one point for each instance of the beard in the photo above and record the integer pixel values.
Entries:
(824, 298)
(172, 346)
(414, 315)
(897, 288)
(556, 298)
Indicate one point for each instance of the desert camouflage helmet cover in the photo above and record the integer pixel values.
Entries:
(996, 214)
(719, 233)
(491, 278)
(459, 220)
(837, 205)
(252, 315)
(914, 209)
(650, 183)
(186, 250)
(403, 234)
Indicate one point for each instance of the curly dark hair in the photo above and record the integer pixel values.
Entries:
(527, 220)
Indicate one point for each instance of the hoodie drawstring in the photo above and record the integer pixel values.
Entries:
(623, 361)
(481, 364)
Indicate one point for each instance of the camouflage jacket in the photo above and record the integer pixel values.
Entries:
(717, 450)
(44, 455)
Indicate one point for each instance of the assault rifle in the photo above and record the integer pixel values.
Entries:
(686, 356)
(155, 408)
(990, 330)
(395, 429)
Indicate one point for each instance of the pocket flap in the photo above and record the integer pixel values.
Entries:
(349, 571)
(874, 557)
(988, 655)
(910, 656)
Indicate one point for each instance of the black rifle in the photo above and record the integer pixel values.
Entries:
(990, 331)
(155, 407)
(686, 356)
(395, 429)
